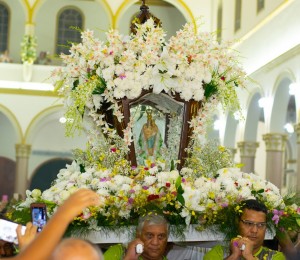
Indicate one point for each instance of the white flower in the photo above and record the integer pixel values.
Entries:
(161, 82)
(64, 195)
(97, 99)
(125, 187)
(149, 180)
(47, 195)
(36, 193)
(108, 73)
(245, 192)
(185, 213)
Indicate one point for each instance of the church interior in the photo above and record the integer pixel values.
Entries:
(264, 139)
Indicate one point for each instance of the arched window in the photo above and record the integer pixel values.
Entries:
(4, 19)
(66, 34)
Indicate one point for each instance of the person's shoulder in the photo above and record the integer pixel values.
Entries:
(276, 255)
(216, 253)
(279, 256)
(114, 252)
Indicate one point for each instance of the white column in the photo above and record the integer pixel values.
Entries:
(22, 155)
(233, 152)
(275, 147)
(247, 153)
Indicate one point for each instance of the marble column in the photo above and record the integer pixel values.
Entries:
(233, 152)
(275, 147)
(247, 153)
(22, 155)
(297, 128)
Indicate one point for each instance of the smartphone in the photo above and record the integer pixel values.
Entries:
(8, 231)
(38, 215)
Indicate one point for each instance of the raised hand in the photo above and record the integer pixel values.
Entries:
(29, 235)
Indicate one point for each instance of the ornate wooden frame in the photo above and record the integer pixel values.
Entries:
(190, 110)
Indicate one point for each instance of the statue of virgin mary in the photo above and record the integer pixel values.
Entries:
(150, 140)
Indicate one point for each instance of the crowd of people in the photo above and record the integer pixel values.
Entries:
(151, 242)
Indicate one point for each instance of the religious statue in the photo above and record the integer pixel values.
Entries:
(150, 140)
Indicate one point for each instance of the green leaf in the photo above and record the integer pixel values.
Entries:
(75, 84)
(178, 182)
(180, 190)
(173, 166)
(100, 88)
(180, 198)
(82, 169)
(298, 221)
(210, 89)
(58, 85)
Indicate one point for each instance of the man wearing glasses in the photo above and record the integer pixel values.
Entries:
(249, 243)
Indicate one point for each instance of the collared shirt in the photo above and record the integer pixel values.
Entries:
(117, 252)
(219, 252)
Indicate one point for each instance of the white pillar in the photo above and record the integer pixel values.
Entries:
(22, 155)
(232, 151)
(247, 153)
(275, 147)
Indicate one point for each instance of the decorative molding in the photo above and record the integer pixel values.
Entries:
(280, 59)
(23, 150)
(275, 141)
(248, 149)
(52, 153)
(232, 150)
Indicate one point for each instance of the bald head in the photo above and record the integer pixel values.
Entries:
(76, 249)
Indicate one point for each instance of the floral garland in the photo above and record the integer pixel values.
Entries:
(28, 49)
(183, 198)
(208, 190)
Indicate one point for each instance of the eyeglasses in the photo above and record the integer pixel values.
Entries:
(250, 224)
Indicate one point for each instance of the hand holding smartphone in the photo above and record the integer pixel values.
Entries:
(8, 231)
(38, 215)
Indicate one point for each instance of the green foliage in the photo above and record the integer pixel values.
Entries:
(206, 159)
(28, 49)
(210, 89)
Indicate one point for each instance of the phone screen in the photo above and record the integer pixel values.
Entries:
(8, 231)
(38, 215)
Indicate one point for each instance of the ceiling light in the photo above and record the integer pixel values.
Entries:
(289, 128)
(62, 120)
(292, 88)
(262, 102)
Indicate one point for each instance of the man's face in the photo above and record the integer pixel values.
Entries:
(155, 238)
(255, 233)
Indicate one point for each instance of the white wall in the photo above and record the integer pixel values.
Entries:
(16, 28)
(94, 18)
(8, 138)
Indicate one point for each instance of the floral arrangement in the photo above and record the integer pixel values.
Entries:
(28, 49)
(208, 189)
(207, 200)
(192, 64)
